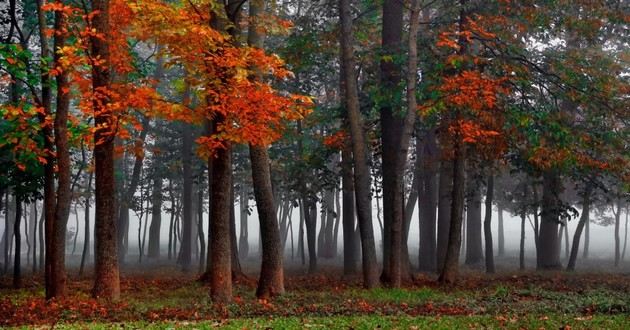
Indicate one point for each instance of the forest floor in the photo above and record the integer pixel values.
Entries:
(165, 298)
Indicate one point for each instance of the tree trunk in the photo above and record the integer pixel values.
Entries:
(47, 136)
(187, 217)
(451, 261)
(445, 189)
(474, 249)
(236, 263)
(522, 247)
(427, 201)
(395, 141)
(86, 239)
(156, 219)
(625, 236)
(57, 249)
(33, 235)
(617, 225)
(347, 185)
(310, 220)
(17, 275)
(271, 281)
(202, 239)
(587, 238)
(359, 149)
(220, 242)
(487, 226)
(106, 280)
(243, 244)
(501, 234)
(586, 205)
(548, 243)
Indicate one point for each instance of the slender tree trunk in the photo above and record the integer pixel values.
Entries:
(34, 236)
(625, 236)
(187, 194)
(359, 149)
(156, 219)
(474, 249)
(17, 274)
(310, 221)
(501, 234)
(106, 280)
(243, 244)
(445, 189)
(202, 239)
(220, 242)
(49, 167)
(236, 263)
(301, 250)
(347, 186)
(57, 248)
(487, 226)
(271, 281)
(548, 243)
(427, 201)
(617, 225)
(76, 230)
(587, 239)
(451, 261)
(86, 239)
(522, 247)
(586, 204)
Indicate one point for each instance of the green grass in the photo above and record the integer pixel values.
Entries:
(385, 322)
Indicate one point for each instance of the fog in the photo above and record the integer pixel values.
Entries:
(601, 247)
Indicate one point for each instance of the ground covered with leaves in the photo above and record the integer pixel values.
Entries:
(168, 299)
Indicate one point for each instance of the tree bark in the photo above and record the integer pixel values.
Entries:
(271, 281)
(156, 219)
(427, 202)
(522, 246)
(395, 143)
(617, 225)
(348, 216)
(501, 238)
(187, 217)
(86, 239)
(359, 149)
(243, 237)
(17, 274)
(586, 206)
(474, 249)
(106, 280)
(220, 239)
(487, 226)
(548, 243)
(445, 189)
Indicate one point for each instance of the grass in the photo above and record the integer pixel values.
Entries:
(506, 301)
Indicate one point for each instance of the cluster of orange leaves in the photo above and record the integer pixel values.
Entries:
(337, 140)
(219, 72)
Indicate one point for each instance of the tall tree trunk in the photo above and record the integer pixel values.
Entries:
(301, 250)
(474, 249)
(47, 137)
(17, 274)
(271, 281)
(220, 242)
(57, 248)
(243, 237)
(586, 207)
(34, 235)
(106, 280)
(347, 186)
(587, 238)
(445, 189)
(359, 149)
(237, 272)
(625, 236)
(187, 197)
(156, 219)
(548, 243)
(202, 239)
(501, 238)
(617, 225)
(86, 239)
(522, 246)
(395, 142)
(427, 201)
(310, 221)
(487, 226)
